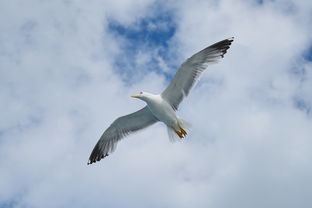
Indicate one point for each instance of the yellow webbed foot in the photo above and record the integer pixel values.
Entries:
(182, 133)
(179, 134)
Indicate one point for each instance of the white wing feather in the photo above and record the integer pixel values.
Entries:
(190, 71)
(121, 127)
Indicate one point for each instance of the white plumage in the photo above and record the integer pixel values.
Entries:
(161, 107)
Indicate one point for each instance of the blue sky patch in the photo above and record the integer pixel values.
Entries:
(307, 55)
(153, 31)
(148, 36)
(302, 105)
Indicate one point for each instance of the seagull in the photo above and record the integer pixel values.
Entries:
(161, 107)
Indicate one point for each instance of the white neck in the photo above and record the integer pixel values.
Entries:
(149, 97)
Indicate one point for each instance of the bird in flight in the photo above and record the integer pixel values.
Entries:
(161, 107)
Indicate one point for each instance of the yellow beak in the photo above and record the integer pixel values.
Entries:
(135, 96)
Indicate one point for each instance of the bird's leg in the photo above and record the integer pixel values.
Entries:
(179, 134)
(183, 132)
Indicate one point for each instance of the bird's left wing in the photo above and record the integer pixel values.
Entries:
(191, 69)
(120, 128)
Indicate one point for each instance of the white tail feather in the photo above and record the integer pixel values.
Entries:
(173, 137)
(184, 124)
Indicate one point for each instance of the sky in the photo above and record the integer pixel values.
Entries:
(68, 68)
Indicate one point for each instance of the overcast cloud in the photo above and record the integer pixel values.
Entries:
(67, 69)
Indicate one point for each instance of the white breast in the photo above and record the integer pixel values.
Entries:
(162, 110)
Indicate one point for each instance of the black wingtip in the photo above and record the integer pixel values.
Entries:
(223, 45)
(94, 158)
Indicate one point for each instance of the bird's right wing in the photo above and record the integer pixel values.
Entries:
(190, 71)
(120, 128)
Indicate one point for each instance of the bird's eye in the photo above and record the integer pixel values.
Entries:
(141, 93)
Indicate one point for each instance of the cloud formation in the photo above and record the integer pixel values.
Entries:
(67, 71)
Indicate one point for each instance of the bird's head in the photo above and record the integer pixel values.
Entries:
(142, 96)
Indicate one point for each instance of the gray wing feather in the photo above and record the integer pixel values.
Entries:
(190, 71)
(120, 128)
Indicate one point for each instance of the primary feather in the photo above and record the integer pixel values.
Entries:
(191, 69)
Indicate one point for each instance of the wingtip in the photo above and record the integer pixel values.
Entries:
(89, 162)
(228, 43)
(95, 159)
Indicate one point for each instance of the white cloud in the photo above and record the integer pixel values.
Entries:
(249, 146)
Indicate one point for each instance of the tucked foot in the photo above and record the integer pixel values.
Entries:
(179, 134)
(182, 133)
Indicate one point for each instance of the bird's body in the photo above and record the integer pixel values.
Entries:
(164, 112)
(161, 107)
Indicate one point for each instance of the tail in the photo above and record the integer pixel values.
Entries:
(173, 137)
(184, 124)
(180, 133)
